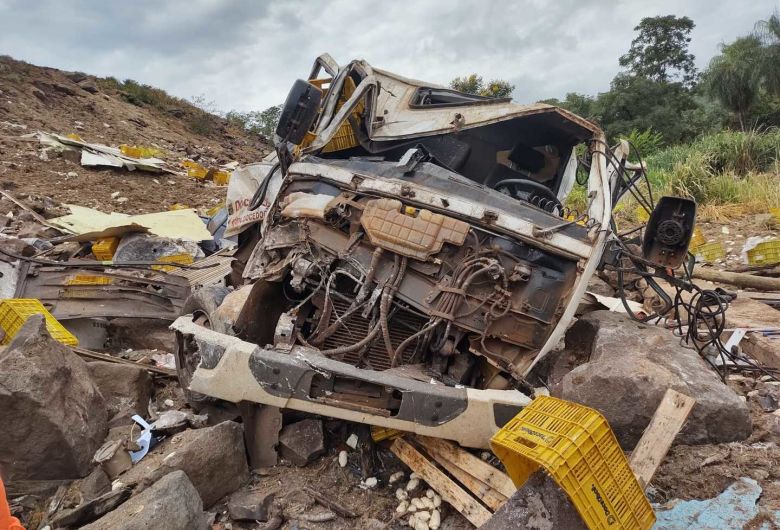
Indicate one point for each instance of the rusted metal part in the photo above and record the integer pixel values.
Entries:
(129, 293)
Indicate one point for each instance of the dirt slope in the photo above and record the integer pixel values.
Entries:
(34, 98)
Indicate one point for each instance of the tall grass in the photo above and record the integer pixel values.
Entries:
(729, 173)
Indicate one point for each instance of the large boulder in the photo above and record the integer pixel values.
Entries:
(52, 413)
(172, 503)
(126, 389)
(630, 367)
(214, 459)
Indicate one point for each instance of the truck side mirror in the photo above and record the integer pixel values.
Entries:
(299, 112)
(669, 231)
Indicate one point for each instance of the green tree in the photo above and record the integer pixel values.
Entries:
(734, 76)
(768, 31)
(258, 122)
(579, 104)
(660, 50)
(474, 84)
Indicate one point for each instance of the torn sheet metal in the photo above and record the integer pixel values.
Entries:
(130, 293)
(88, 224)
(212, 271)
(102, 155)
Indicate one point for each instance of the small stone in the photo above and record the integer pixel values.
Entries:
(423, 516)
(342, 459)
(250, 504)
(371, 482)
(115, 194)
(436, 501)
(429, 493)
(395, 477)
(402, 507)
(435, 521)
(418, 503)
(168, 403)
(412, 520)
(412, 484)
(428, 503)
(421, 525)
(401, 495)
(122, 200)
(352, 441)
(302, 442)
(72, 174)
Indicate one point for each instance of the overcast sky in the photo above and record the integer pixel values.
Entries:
(245, 54)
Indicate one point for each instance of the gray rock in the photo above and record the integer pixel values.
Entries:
(126, 389)
(52, 413)
(94, 485)
(171, 503)
(632, 365)
(214, 459)
(302, 442)
(538, 505)
(251, 504)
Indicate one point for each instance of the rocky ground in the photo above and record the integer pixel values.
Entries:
(34, 99)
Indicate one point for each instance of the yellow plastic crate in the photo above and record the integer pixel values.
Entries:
(709, 252)
(221, 178)
(140, 151)
(194, 169)
(577, 448)
(383, 433)
(345, 137)
(766, 253)
(104, 249)
(86, 279)
(178, 206)
(775, 213)
(14, 312)
(697, 239)
(183, 259)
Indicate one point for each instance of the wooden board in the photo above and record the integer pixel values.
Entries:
(473, 465)
(490, 497)
(667, 421)
(441, 483)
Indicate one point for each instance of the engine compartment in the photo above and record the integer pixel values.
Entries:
(384, 285)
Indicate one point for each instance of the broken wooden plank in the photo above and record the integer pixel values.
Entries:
(490, 497)
(472, 464)
(667, 421)
(83, 352)
(441, 483)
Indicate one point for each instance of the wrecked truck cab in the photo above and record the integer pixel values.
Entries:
(406, 255)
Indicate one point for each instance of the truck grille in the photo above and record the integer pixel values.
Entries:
(402, 324)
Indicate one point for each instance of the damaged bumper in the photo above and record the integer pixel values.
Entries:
(235, 370)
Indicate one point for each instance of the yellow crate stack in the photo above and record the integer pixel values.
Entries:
(577, 448)
(14, 312)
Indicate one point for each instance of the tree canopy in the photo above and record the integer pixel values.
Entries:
(474, 84)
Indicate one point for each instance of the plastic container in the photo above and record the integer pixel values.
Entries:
(14, 312)
(577, 448)
(86, 279)
(697, 239)
(766, 253)
(775, 213)
(709, 252)
(184, 259)
(104, 249)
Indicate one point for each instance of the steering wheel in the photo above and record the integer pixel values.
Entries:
(527, 190)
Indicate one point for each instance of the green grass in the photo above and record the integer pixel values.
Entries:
(728, 173)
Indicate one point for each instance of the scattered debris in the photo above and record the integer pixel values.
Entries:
(737, 507)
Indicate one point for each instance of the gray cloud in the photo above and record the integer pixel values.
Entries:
(244, 54)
